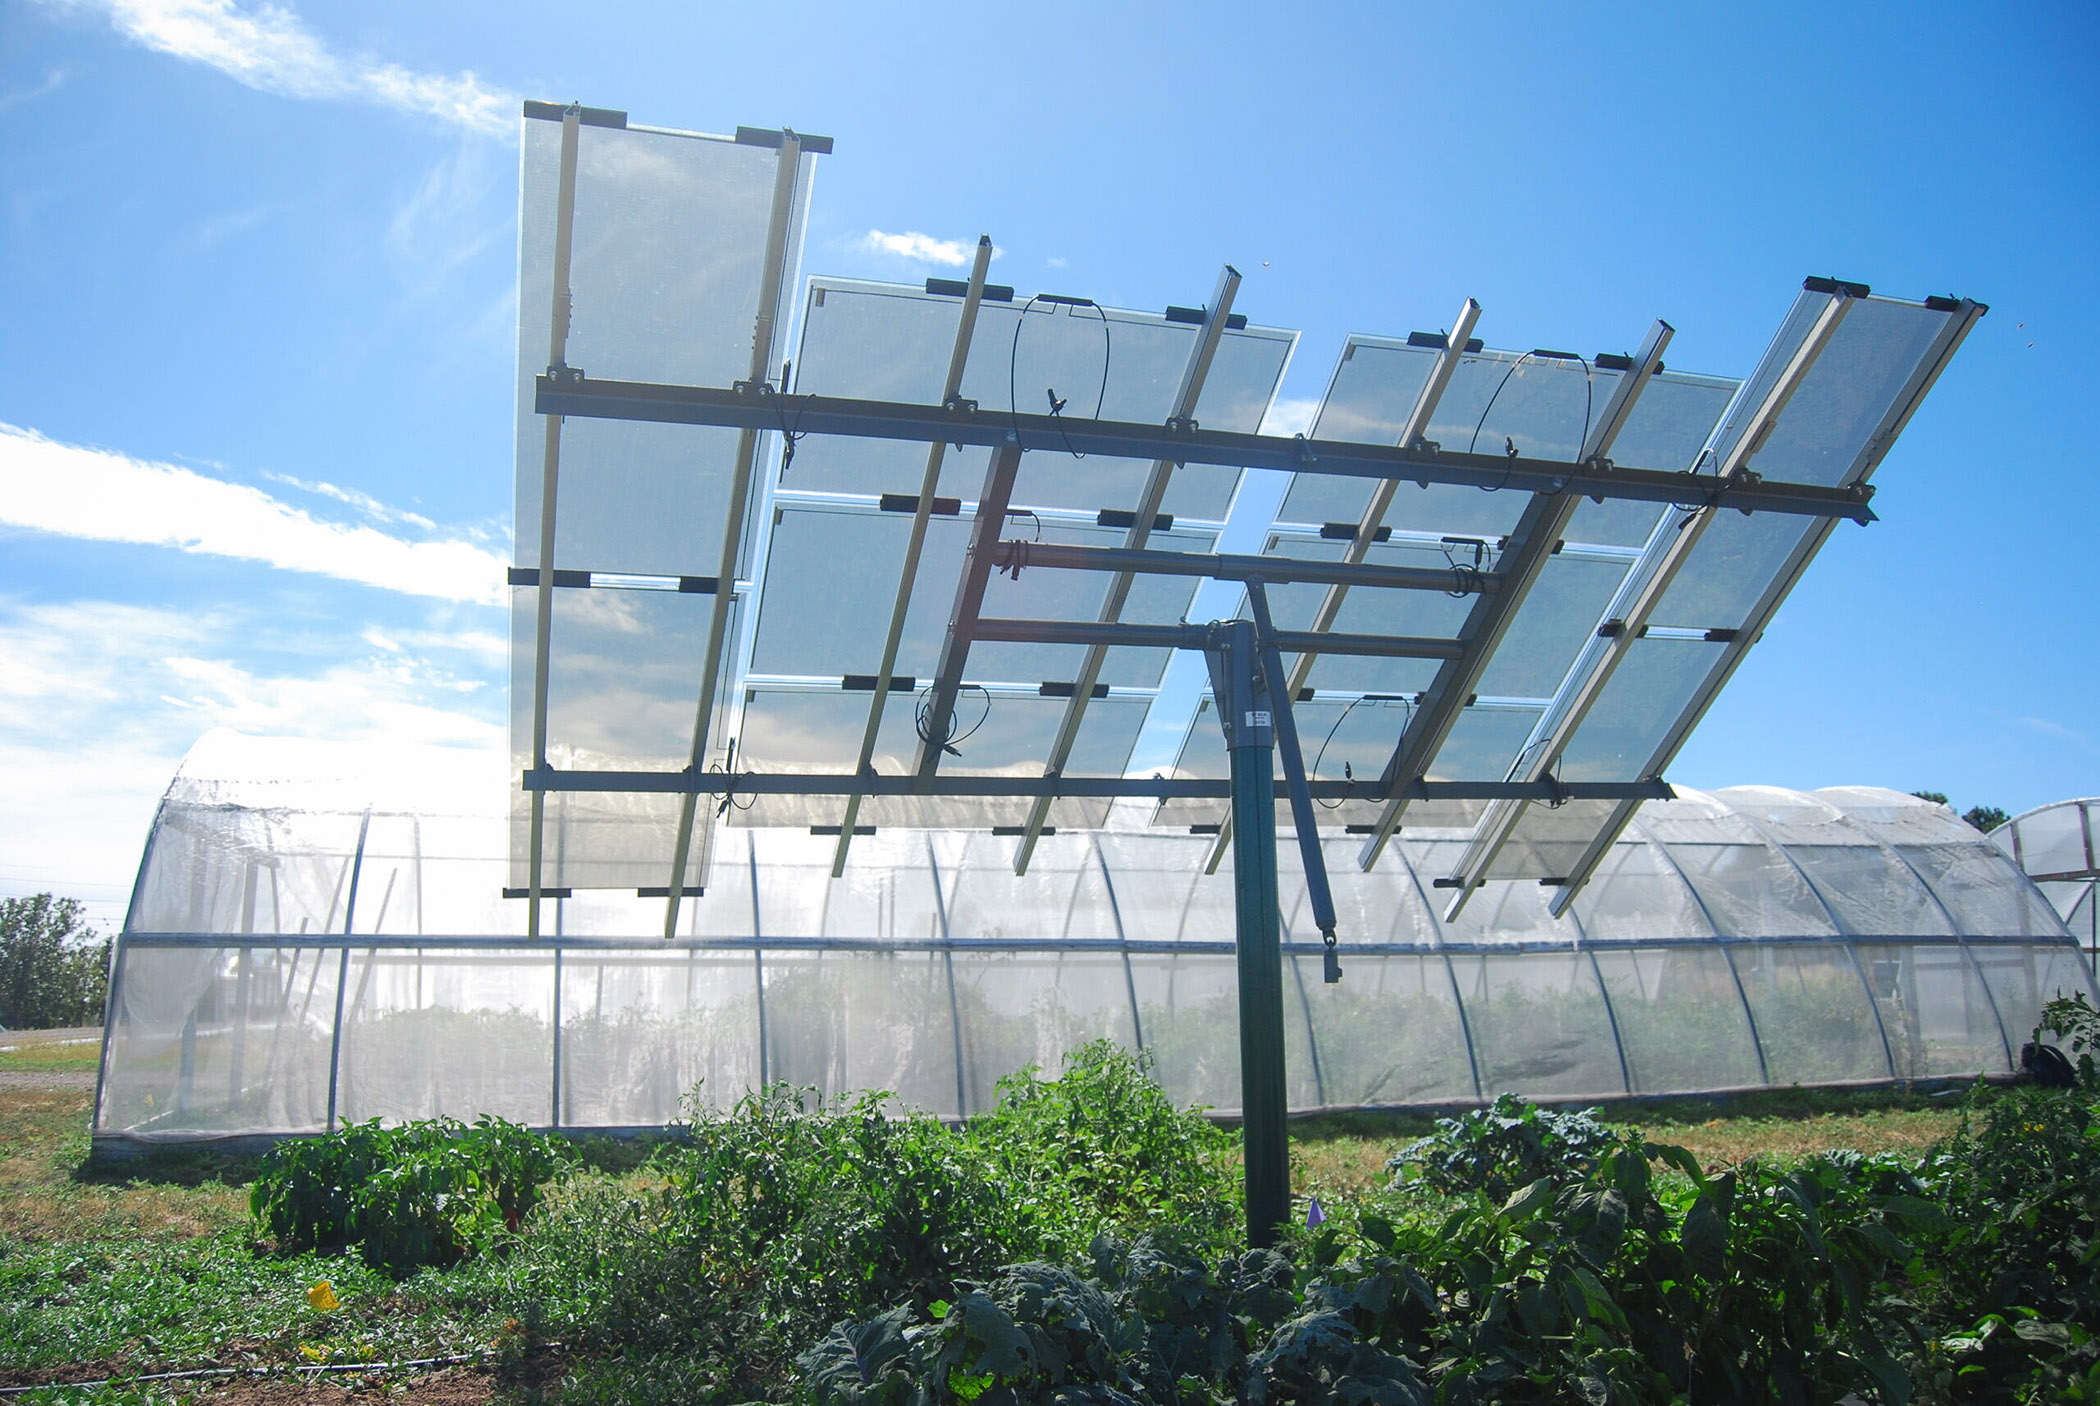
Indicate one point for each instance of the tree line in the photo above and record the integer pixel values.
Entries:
(54, 966)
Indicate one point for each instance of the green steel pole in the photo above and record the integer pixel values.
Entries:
(1246, 711)
(1262, 1097)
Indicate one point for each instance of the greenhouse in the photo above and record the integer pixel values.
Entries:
(307, 947)
(2054, 844)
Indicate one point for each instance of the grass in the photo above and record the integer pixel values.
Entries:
(48, 1194)
(1347, 1153)
(28, 1056)
(143, 1265)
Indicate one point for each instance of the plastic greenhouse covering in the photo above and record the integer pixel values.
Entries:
(320, 935)
(2054, 844)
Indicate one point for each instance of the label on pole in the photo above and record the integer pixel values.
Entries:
(1258, 717)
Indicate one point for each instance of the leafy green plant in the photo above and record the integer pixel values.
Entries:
(2020, 1191)
(423, 1193)
(1103, 1146)
(1510, 1143)
(1141, 1322)
(2076, 1024)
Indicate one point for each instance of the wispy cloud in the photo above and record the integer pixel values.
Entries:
(2050, 728)
(218, 229)
(365, 503)
(271, 50)
(53, 81)
(450, 217)
(102, 496)
(922, 248)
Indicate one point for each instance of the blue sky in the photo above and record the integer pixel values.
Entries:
(257, 266)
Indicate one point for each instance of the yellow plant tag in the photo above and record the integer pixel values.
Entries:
(322, 1296)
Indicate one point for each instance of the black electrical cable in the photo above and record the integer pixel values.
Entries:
(1691, 511)
(1348, 772)
(1589, 405)
(1013, 359)
(1465, 580)
(922, 719)
(1319, 756)
(722, 768)
(789, 437)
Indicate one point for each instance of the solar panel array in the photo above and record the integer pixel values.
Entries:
(765, 601)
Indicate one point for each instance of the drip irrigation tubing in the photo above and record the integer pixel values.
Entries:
(305, 1369)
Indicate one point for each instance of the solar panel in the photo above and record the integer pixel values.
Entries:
(884, 569)
(658, 256)
(1839, 381)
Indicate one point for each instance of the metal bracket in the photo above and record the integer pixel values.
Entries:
(1181, 424)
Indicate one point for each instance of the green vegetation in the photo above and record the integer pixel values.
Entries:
(54, 968)
(1081, 1244)
(2076, 1025)
(422, 1194)
(1509, 1144)
(1984, 818)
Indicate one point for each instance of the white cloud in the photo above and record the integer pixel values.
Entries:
(270, 49)
(1289, 415)
(101, 496)
(99, 701)
(923, 248)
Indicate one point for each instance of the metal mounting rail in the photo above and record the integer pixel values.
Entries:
(1183, 636)
(1274, 571)
(761, 408)
(796, 783)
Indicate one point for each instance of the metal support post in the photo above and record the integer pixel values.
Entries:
(1244, 706)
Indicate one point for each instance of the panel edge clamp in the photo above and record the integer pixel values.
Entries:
(962, 408)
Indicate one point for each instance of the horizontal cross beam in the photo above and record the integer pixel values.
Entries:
(574, 394)
(1192, 637)
(1079, 787)
(1272, 571)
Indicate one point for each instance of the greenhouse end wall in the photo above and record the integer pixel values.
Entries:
(293, 962)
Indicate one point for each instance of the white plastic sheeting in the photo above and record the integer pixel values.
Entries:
(318, 935)
(2054, 844)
